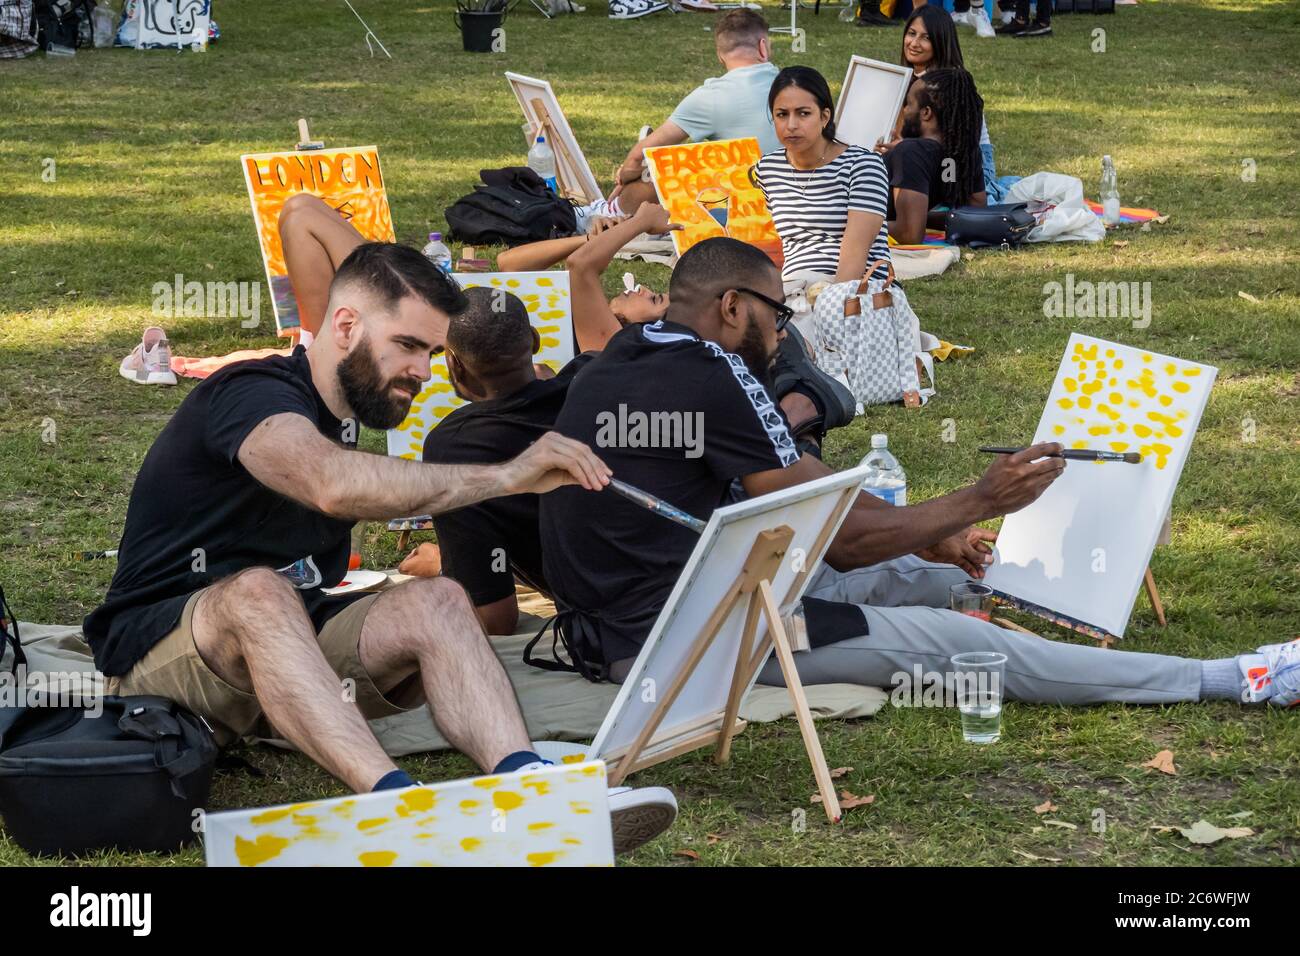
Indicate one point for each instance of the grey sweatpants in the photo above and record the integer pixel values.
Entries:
(908, 624)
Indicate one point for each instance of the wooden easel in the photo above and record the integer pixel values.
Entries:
(305, 143)
(753, 585)
(566, 167)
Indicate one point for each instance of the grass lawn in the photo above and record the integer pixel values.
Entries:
(148, 184)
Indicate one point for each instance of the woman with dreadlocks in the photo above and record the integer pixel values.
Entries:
(930, 43)
(937, 161)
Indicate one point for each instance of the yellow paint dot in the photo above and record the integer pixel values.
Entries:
(1166, 400)
(1092, 387)
(538, 827)
(1099, 430)
(468, 806)
(573, 758)
(470, 844)
(1079, 444)
(252, 852)
(543, 859)
(579, 806)
(1065, 403)
(1110, 353)
(1116, 398)
(487, 783)
(1174, 431)
(1191, 372)
(279, 813)
(1171, 368)
(1142, 431)
(1119, 446)
(1085, 401)
(1145, 357)
(419, 799)
(1181, 387)
(377, 858)
(507, 800)
(372, 823)
(1121, 428)
(1070, 385)
(1119, 363)
(1058, 429)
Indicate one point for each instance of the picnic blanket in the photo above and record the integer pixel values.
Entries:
(1127, 214)
(556, 706)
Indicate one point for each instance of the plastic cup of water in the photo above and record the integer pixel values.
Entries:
(971, 598)
(977, 687)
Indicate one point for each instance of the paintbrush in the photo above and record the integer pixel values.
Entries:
(1075, 454)
(657, 505)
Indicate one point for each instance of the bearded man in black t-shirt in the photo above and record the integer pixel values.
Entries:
(241, 514)
(937, 161)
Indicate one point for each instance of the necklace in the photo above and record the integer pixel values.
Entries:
(812, 172)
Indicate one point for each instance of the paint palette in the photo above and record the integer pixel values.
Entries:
(558, 816)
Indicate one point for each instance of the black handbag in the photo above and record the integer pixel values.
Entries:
(131, 776)
(1003, 226)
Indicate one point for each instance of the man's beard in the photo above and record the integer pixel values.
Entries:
(756, 356)
(370, 397)
(911, 127)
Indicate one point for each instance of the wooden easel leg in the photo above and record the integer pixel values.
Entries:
(811, 742)
(1149, 580)
(403, 539)
(739, 680)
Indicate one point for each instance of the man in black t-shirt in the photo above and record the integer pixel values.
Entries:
(485, 546)
(241, 514)
(937, 161)
(680, 408)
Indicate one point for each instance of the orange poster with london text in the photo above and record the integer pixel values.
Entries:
(349, 179)
(706, 188)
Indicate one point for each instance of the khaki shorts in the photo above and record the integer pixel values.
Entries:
(174, 669)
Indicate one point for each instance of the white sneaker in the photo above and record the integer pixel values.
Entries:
(979, 19)
(1007, 16)
(962, 18)
(1272, 673)
(638, 815)
(632, 9)
(150, 362)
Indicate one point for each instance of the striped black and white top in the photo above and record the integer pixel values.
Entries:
(811, 207)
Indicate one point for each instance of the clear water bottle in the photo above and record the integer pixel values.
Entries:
(850, 11)
(541, 160)
(1109, 192)
(438, 253)
(886, 479)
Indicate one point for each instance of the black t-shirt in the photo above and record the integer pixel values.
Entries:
(484, 543)
(917, 164)
(197, 516)
(678, 417)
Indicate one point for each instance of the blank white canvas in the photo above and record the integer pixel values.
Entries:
(557, 816)
(546, 297)
(578, 172)
(1081, 549)
(870, 99)
(712, 568)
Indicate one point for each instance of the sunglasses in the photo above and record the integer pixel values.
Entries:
(783, 312)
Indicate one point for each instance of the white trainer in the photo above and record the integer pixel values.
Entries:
(638, 815)
(979, 19)
(962, 18)
(1272, 673)
(150, 362)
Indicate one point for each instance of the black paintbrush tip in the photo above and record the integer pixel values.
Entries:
(1132, 457)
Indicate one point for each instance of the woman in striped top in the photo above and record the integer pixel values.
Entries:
(828, 199)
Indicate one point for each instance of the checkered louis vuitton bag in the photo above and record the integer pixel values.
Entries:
(868, 336)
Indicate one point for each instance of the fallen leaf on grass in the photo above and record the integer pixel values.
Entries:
(840, 771)
(1062, 824)
(847, 800)
(1047, 806)
(1242, 815)
(1247, 296)
(1031, 856)
(1120, 243)
(1205, 832)
(1164, 762)
(688, 854)
(712, 838)
(1162, 828)
(1161, 219)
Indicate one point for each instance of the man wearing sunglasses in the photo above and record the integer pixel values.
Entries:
(878, 606)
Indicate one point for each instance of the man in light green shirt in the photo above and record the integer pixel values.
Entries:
(730, 106)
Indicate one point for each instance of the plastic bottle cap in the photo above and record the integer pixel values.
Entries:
(435, 237)
(541, 138)
(1106, 159)
(879, 441)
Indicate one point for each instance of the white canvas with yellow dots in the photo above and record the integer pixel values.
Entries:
(558, 816)
(1081, 549)
(546, 296)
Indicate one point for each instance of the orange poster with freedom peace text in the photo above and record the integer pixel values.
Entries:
(707, 190)
(349, 179)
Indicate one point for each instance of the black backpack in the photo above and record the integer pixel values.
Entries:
(1003, 226)
(72, 780)
(512, 206)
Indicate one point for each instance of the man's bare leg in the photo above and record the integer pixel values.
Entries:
(428, 625)
(253, 631)
(315, 239)
(634, 194)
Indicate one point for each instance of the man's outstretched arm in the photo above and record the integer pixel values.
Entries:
(287, 454)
